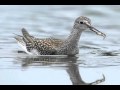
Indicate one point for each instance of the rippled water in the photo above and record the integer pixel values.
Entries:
(96, 57)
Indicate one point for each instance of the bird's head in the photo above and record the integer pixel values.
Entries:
(82, 23)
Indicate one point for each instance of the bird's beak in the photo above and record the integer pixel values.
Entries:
(95, 30)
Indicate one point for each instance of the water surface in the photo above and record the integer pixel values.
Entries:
(96, 57)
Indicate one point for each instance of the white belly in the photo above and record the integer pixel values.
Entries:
(32, 52)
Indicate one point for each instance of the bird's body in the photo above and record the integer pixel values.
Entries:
(39, 46)
(52, 46)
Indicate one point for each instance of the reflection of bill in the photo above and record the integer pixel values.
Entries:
(73, 71)
(68, 63)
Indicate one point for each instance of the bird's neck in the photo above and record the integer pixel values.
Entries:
(74, 37)
(70, 45)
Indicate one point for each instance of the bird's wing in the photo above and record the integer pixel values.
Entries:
(44, 46)
(54, 42)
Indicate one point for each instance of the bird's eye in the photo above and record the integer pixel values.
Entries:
(81, 22)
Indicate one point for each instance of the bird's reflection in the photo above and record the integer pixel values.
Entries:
(68, 63)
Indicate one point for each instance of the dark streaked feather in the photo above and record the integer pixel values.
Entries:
(44, 46)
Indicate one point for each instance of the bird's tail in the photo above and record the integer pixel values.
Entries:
(19, 39)
(27, 37)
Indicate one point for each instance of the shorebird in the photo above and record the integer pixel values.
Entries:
(52, 46)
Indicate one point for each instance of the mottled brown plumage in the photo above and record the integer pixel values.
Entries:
(51, 46)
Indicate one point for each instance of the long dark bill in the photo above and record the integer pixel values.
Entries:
(96, 31)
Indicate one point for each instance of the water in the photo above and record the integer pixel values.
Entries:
(96, 57)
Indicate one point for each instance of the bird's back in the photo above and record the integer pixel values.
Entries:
(51, 41)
